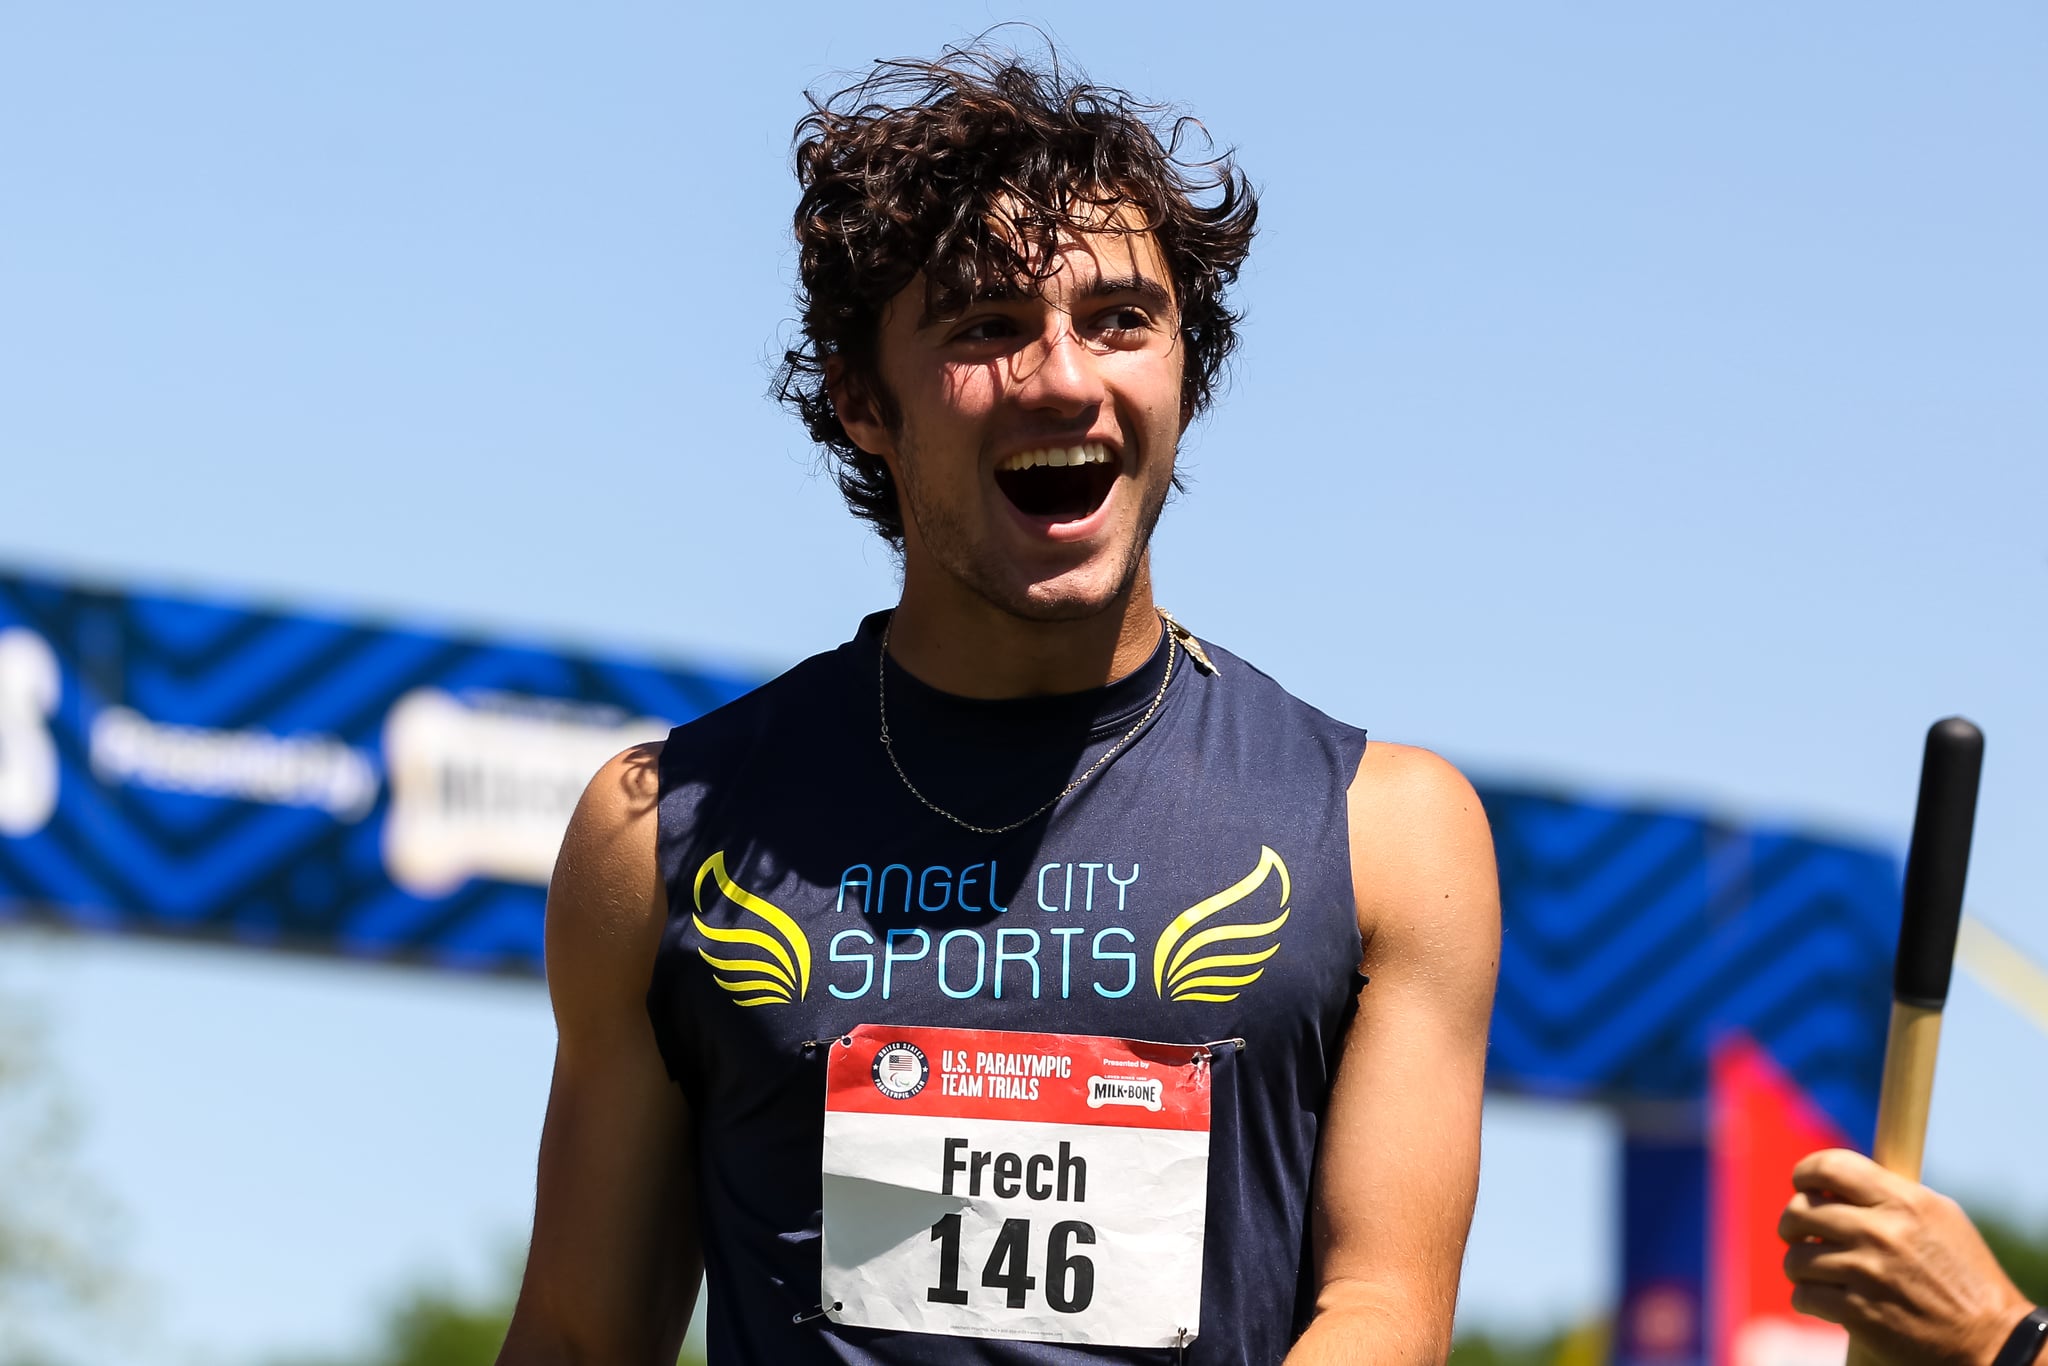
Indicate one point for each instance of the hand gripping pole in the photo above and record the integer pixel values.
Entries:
(1935, 867)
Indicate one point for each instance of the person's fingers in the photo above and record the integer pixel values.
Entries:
(1822, 1301)
(1822, 1264)
(1808, 1216)
(1845, 1175)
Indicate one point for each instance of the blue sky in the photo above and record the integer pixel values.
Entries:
(1644, 399)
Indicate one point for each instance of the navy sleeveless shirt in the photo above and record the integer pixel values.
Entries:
(787, 795)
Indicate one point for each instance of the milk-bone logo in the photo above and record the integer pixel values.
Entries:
(901, 1070)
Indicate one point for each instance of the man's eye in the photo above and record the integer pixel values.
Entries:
(1121, 320)
(984, 329)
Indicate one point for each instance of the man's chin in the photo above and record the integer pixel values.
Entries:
(1076, 595)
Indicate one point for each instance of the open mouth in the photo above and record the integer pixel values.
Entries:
(1060, 483)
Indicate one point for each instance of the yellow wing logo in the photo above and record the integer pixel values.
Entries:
(1182, 971)
(766, 968)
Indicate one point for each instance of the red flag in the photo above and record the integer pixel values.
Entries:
(1760, 1124)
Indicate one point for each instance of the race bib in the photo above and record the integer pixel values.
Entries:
(981, 1183)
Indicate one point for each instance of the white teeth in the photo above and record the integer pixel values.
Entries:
(1093, 453)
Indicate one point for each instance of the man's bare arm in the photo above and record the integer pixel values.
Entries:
(613, 1269)
(1398, 1167)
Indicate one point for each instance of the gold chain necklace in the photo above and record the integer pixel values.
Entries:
(1177, 637)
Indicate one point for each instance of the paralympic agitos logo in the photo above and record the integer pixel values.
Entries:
(1210, 952)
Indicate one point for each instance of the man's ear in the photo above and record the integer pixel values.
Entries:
(856, 409)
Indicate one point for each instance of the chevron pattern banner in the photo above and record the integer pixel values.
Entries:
(196, 768)
(192, 768)
(1635, 939)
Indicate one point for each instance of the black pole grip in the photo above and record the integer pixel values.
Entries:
(1937, 862)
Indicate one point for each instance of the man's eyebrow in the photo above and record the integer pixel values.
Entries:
(1144, 287)
(993, 293)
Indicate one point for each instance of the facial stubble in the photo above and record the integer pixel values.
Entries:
(954, 552)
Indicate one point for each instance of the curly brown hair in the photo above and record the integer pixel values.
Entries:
(972, 169)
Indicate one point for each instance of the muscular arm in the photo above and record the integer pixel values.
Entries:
(1398, 1168)
(613, 1268)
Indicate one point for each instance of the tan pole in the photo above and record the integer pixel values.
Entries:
(1908, 1089)
(1933, 911)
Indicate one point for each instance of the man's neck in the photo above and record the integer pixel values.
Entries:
(959, 643)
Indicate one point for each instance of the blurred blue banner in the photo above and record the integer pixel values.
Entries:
(1634, 938)
(194, 768)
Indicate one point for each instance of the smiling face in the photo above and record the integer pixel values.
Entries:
(1034, 433)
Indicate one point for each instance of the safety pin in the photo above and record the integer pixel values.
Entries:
(816, 1311)
(845, 1040)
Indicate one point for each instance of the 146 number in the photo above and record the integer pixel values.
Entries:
(1069, 1275)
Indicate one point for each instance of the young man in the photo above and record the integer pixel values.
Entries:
(912, 912)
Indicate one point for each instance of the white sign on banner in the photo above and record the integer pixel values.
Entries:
(982, 1183)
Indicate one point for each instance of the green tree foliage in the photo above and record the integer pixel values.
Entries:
(1484, 1349)
(428, 1328)
(2023, 1254)
(433, 1325)
(59, 1293)
(1585, 1345)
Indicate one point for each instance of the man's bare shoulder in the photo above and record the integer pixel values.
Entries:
(1421, 848)
(1415, 792)
(606, 904)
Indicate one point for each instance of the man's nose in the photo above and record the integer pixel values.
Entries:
(1059, 373)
